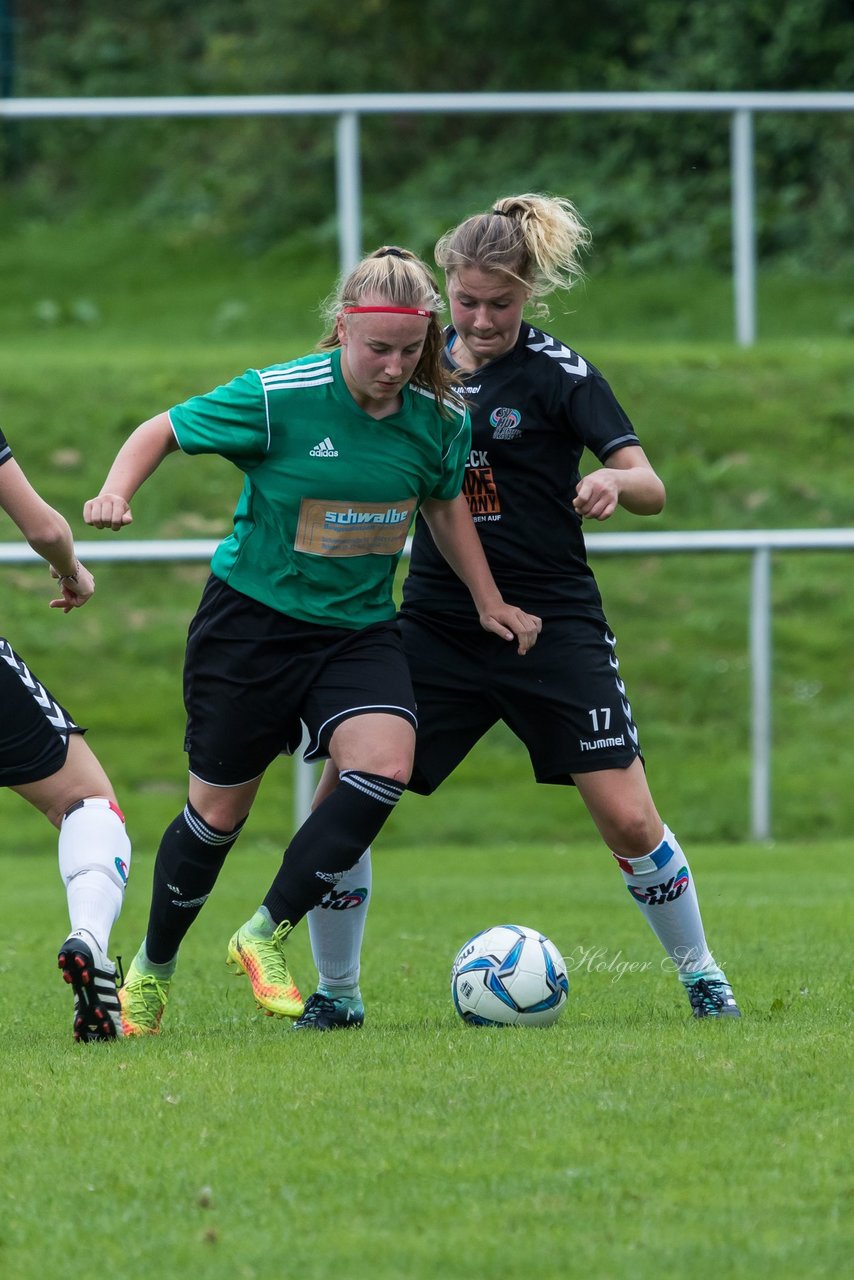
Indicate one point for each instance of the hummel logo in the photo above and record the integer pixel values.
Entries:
(325, 449)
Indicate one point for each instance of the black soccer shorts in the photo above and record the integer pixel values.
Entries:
(564, 700)
(34, 727)
(253, 676)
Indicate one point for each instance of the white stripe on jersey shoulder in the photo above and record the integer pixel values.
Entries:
(316, 372)
(425, 391)
(460, 410)
(568, 359)
(302, 373)
(457, 435)
(266, 410)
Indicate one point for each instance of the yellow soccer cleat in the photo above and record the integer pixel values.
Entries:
(143, 999)
(263, 962)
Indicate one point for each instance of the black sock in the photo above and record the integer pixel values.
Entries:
(189, 860)
(330, 841)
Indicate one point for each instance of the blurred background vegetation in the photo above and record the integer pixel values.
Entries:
(654, 187)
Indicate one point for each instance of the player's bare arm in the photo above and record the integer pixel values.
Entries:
(627, 480)
(454, 533)
(49, 535)
(138, 458)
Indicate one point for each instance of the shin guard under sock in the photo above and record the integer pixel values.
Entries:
(336, 928)
(330, 841)
(94, 860)
(662, 885)
(189, 859)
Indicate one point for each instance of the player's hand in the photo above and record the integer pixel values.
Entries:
(76, 588)
(597, 494)
(510, 623)
(107, 511)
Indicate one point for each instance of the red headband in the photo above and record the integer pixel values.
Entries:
(398, 311)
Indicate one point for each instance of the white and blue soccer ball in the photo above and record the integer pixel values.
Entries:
(509, 976)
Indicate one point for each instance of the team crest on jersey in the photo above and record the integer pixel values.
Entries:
(505, 424)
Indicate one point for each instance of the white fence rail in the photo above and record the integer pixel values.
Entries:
(760, 544)
(347, 108)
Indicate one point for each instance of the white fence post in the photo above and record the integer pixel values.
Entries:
(349, 186)
(743, 227)
(760, 676)
(305, 781)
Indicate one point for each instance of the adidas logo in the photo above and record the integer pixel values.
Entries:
(325, 449)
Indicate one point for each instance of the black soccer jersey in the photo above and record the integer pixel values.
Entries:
(5, 449)
(534, 410)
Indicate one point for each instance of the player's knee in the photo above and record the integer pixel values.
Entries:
(634, 835)
(397, 767)
(222, 812)
(383, 759)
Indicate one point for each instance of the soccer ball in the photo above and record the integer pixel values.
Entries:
(509, 975)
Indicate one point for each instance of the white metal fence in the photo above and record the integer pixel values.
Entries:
(348, 108)
(759, 544)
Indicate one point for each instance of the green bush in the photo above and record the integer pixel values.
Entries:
(655, 187)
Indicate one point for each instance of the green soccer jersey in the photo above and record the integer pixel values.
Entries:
(329, 492)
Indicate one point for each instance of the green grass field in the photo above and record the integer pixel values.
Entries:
(627, 1140)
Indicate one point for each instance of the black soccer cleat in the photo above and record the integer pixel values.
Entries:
(326, 1013)
(97, 1014)
(712, 998)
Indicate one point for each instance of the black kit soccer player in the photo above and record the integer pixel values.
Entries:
(297, 624)
(536, 405)
(44, 758)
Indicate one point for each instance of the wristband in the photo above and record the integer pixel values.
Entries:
(70, 577)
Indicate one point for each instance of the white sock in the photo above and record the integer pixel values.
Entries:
(663, 887)
(94, 858)
(336, 928)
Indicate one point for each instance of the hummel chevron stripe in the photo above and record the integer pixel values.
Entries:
(52, 710)
(568, 360)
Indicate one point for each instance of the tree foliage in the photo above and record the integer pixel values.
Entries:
(654, 187)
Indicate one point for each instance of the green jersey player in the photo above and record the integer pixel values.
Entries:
(339, 451)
